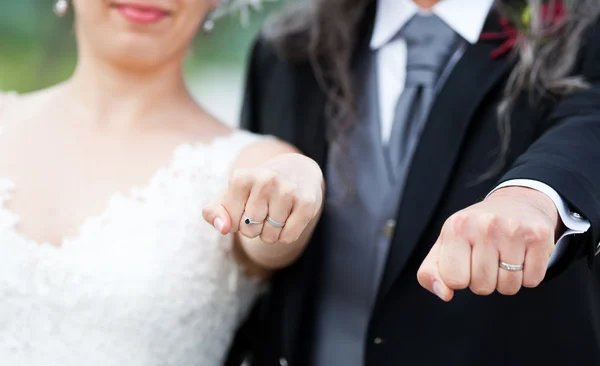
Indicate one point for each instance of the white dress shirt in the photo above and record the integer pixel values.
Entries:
(391, 51)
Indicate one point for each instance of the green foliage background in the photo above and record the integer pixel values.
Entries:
(37, 49)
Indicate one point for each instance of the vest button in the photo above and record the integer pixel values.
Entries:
(389, 228)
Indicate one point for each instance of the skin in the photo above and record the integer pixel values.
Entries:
(118, 119)
(514, 225)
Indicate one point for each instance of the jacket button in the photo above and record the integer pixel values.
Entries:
(378, 340)
(389, 228)
(283, 362)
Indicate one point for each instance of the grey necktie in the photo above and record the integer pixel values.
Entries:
(430, 43)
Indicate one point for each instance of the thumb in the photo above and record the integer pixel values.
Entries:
(216, 215)
(429, 277)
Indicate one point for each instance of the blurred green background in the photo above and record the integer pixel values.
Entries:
(37, 49)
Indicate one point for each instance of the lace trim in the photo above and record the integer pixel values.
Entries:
(189, 162)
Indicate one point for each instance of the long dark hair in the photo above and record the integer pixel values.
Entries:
(325, 33)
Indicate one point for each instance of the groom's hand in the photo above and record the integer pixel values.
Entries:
(484, 246)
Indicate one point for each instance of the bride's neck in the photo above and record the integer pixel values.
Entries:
(108, 92)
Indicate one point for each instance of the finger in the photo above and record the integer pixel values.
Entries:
(537, 257)
(511, 250)
(429, 277)
(455, 252)
(280, 207)
(303, 212)
(484, 269)
(216, 215)
(257, 205)
(236, 196)
(484, 257)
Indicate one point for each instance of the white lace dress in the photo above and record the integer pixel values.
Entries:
(147, 282)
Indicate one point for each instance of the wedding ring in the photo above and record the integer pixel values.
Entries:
(274, 223)
(511, 267)
(249, 221)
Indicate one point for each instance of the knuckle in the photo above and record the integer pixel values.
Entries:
(538, 233)
(456, 282)
(267, 178)
(425, 275)
(269, 238)
(306, 203)
(289, 238)
(482, 290)
(459, 221)
(288, 191)
(512, 227)
(488, 223)
(248, 233)
(508, 290)
(532, 282)
(240, 178)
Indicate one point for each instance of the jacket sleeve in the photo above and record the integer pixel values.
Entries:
(566, 156)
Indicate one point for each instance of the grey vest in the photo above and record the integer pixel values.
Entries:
(358, 231)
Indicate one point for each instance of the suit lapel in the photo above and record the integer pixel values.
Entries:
(438, 149)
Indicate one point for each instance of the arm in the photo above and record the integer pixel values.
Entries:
(278, 173)
(272, 204)
(518, 225)
(566, 159)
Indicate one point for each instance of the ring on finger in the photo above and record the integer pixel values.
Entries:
(249, 221)
(275, 223)
(510, 267)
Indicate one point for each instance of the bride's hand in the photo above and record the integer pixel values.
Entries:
(276, 201)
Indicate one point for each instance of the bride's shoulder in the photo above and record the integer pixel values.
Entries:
(6, 98)
(13, 103)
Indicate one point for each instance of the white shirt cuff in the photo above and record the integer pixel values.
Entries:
(574, 223)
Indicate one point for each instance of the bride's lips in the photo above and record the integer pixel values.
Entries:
(141, 13)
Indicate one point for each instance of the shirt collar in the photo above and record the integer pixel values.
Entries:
(465, 17)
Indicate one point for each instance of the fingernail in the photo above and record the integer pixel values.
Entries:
(218, 223)
(437, 289)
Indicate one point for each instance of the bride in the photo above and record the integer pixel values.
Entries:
(110, 186)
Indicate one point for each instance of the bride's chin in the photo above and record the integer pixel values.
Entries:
(136, 59)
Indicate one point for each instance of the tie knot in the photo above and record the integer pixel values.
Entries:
(429, 42)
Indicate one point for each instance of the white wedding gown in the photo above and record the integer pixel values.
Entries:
(147, 282)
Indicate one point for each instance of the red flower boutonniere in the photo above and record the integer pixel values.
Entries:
(553, 14)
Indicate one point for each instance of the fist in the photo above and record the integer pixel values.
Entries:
(502, 243)
(275, 201)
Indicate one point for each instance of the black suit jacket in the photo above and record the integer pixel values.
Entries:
(557, 143)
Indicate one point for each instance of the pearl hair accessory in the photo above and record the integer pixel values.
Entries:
(61, 7)
(241, 7)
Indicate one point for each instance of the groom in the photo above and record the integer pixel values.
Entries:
(407, 134)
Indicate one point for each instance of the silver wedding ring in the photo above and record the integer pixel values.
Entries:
(249, 221)
(511, 267)
(274, 223)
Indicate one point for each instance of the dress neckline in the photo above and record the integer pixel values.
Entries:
(183, 158)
